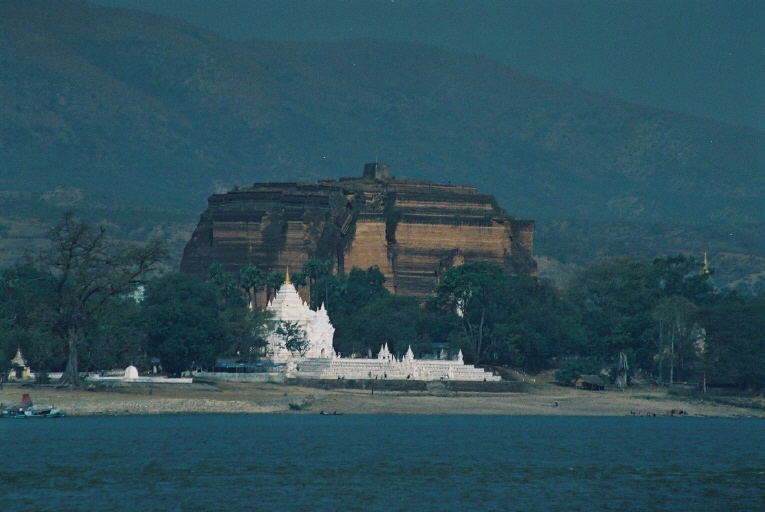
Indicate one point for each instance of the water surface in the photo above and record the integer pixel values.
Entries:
(354, 462)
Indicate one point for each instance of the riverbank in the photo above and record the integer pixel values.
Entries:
(538, 399)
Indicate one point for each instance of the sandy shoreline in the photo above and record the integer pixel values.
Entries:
(275, 398)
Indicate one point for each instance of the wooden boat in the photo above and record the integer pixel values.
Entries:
(26, 409)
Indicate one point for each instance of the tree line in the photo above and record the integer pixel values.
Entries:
(89, 303)
(664, 318)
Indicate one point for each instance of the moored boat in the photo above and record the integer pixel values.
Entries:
(26, 409)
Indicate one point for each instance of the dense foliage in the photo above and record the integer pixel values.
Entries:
(182, 322)
(665, 316)
(735, 348)
(89, 303)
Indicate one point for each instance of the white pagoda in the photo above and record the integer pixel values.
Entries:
(319, 360)
(19, 368)
(287, 306)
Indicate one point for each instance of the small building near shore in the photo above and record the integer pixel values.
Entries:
(590, 383)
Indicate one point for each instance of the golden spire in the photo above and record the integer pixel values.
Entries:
(287, 276)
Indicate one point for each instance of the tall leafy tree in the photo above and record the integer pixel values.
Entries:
(88, 270)
(676, 318)
(181, 315)
(614, 299)
(245, 332)
(315, 270)
(533, 324)
(735, 341)
(26, 319)
(229, 292)
(473, 291)
(294, 337)
(684, 277)
(347, 297)
(251, 279)
(115, 339)
(5, 360)
(273, 281)
(298, 279)
(640, 308)
(390, 319)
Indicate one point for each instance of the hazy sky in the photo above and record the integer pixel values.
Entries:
(700, 57)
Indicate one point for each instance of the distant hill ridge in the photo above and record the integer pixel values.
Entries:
(143, 112)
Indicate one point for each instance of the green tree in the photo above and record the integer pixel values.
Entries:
(473, 292)
(274, 280)
(115, 339)
(5, 361)
(251, 279)
(533, 325)
(684, 277)
(26, 319)
(386, 319)
(361, 287)
(735, 341)
(229, 292)
(181, 315)
(507, 319)
(294, 337)
(245, 332)
(574, 367)
(675, 317)
(314, 270)
(89, 270)
(298, 279)
(628, 305)
(346, 297)
(614, 299)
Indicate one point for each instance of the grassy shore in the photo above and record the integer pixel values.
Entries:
(539, 398)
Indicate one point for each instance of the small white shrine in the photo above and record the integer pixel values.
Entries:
(320, 361)
(19, 368)
(131, 372)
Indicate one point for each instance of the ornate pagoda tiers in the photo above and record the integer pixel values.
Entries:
(287, 306)
(320, 361)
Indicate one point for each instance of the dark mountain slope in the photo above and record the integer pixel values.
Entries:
(149, 115)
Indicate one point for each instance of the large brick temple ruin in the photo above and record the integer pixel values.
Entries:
(412, 230)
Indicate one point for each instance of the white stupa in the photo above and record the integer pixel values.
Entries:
(287, 306)
(131, 372)
(19, 369)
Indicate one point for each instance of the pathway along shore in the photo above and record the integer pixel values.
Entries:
(539, 399)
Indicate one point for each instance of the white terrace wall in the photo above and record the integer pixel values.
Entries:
(418, 369)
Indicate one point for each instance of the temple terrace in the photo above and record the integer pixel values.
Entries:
(318, 359)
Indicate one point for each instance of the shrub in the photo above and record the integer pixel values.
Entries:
(305, 404)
